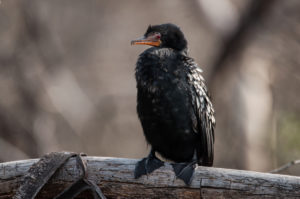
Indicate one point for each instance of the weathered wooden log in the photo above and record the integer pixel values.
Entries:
(115, 178)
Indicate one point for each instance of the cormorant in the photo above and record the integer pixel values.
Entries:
(173, 104)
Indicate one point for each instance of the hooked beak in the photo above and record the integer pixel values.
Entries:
(151, 40)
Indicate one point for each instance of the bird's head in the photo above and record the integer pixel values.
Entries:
(164, 35)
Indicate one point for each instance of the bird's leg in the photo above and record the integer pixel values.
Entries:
(147, 165)
(185, 170)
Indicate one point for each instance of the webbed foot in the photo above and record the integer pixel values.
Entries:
(147, 165)
(185, 171)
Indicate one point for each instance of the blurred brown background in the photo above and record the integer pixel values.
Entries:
(67, 76)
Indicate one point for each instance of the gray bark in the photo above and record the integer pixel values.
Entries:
(115, 177)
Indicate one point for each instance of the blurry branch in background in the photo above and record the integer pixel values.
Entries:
(285, 167)
(35, 55)
(57, 79)
(236, 58)
(234, 38)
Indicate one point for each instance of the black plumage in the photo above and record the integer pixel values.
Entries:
(173, 103)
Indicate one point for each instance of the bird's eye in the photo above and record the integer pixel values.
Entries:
(157, 35)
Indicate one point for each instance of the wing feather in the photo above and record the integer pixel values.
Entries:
(204, 112)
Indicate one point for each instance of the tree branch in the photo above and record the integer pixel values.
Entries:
(286, 166)
(115, 178)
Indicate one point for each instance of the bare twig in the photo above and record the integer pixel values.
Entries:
(285, 167)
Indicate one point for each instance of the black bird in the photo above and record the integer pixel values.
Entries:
(173, 104)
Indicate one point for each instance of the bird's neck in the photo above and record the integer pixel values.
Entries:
(184, 51)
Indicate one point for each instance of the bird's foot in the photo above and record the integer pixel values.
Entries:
(185, 171)
(147, 165)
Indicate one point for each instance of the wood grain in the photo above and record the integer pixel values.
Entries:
(115, 177)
